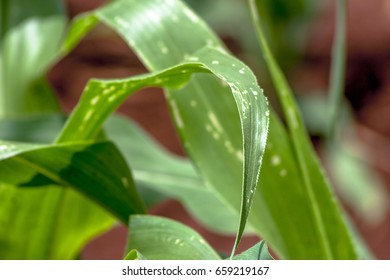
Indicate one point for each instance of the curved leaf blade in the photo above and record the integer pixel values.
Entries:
(158, 42)
(59, 221)
(257, 252)
(85, 167)
(164, 239)
(47, 223)
(156, 169)
(134, 255)
(106, 96)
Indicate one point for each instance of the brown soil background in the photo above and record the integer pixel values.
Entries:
(367, 88)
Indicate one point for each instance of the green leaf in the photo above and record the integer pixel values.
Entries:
(47, 223)
(156, 169)
(157, 173)
(257, 252)
(97, 170)
(106, 96)
(164, 239)
(357, 183)
(158, 42)
(31, 33)
(40, 128)
(134, 255)
(334, 239)
(63, 221)
(229, 163)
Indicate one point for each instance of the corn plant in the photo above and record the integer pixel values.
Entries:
(65, 181)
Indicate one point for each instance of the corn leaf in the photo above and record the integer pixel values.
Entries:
(229, 159)
(47, 223)
(134, 255)
(257, 252)
(164, 239)
(155, 169)
(334, 239)
(152, 30)
(97, 170)
(157, 173)
(106, 96)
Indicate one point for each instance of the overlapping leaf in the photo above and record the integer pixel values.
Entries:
(97, 170)
(220, 153)
(159, 238)
(164, 33)
(152, 30)
(58, 221)
(257, 252)
(155, 169)
(101, 98)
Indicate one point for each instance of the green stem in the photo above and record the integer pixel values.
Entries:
(337, 74)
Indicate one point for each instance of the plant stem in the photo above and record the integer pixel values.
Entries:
(337, 74)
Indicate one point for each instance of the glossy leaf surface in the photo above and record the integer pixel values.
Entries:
(164, 239)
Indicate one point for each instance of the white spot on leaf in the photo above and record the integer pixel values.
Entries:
(163, 47)
(275, 160)
(239, 155)
(215, 122)
(193, 103)
(95, 100)
(176, 114)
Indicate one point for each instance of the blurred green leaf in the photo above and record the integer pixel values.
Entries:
(164, 239)
(39, 128)
(338, 68)
(357, 183)
(31, 33)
